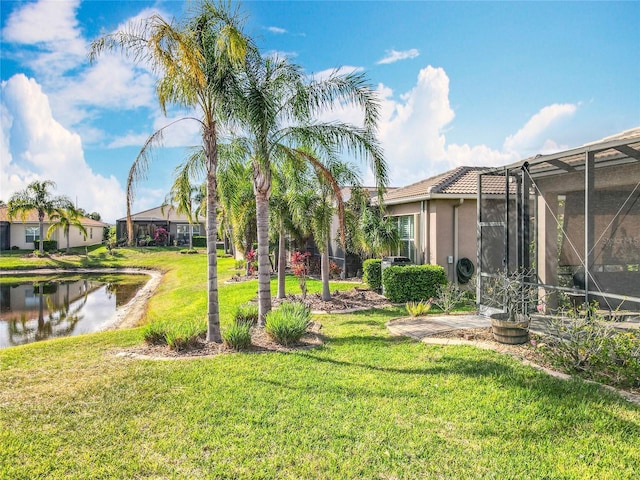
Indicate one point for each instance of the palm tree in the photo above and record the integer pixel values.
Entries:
(65, 218)
(195, 61)
(277, 108)
(315, 205)
(36, 196)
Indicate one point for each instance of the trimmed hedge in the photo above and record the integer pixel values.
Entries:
(372, 273)
(199, 241)
(413, 282)
(47, 245)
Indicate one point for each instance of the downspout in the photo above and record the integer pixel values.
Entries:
(423, 228)
(455, 239)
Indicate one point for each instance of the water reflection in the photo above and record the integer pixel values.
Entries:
(31, 311)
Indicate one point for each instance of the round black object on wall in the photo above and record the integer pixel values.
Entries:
(464, 270)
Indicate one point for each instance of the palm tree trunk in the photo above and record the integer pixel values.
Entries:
(324, 269)
(264, 267)
(282, 262)
(190, 236)
(41, 225)
(213, 308)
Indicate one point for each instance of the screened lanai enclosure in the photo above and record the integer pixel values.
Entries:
(570, 221)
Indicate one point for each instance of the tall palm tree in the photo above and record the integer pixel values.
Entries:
(195, 61)
(316, 203)
(65, 218)
(36, 196)
(277, 108)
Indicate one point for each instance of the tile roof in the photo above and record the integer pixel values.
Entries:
(32, 217)
(159, 214)
(459, 181)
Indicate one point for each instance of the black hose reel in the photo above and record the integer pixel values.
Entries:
(464, 270)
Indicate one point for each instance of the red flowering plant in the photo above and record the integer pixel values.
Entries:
(252, 263)
(300, 270)
(160, 236)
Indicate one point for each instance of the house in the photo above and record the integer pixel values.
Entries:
(437, 220)
(571, 219)
(24, 233)
(146, 223)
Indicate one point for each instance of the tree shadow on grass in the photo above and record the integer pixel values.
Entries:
(471, 362)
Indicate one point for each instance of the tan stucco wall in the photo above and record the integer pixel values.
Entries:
(76, 239)
(434, 230)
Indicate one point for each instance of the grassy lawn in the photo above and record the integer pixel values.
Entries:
(366, 405)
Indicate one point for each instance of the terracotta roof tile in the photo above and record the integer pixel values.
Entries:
(459, 181)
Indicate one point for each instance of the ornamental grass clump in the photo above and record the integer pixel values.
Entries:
(417, 309)
(238, 336)
(247, 313)
(287, 324)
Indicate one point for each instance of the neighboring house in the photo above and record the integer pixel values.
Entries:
(437, 218)
(24, 234)
(147, 222)
(571, 218)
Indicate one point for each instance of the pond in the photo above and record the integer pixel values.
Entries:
(40, 308)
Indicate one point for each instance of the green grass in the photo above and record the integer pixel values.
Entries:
(364, 406)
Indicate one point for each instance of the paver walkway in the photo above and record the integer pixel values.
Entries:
(422, 327)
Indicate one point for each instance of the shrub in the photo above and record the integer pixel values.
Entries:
(300, 270)
(413, 282)
(287, 324)
(247, 313)
(582, 342)
(334, 270)
(199, 241)
(417, 309)
(238, 336)
(185, 336)
(47, 245)
(188, 251)
(450, 296)
(372, 273)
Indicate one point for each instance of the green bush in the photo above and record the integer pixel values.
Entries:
(287, 324)
(372, 273)
(584, 343)
(238, 336)
(199, 241)
(47, 245)
(417, 309)
(413, 282)
(247, 313)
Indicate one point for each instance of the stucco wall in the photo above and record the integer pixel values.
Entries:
(76, 238)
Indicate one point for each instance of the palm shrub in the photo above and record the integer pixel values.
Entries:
(246, 313)
(288, 323)
(238, 335)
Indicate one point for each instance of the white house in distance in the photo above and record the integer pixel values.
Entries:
(24, 234)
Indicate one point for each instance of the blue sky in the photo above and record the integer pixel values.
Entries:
(460, 83)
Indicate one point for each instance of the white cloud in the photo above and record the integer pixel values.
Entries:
(40, 147)
(529, 138)
(344, 70)
(277, 30)
(393, 56)
(53, 29)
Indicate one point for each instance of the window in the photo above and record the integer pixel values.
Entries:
(407, 247)
(90, 233)
(182, 232)
(31, 234)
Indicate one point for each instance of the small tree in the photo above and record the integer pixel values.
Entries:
(37, 197)
(300, 270)
(64, 218)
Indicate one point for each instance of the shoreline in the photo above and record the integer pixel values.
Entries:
(126, 316)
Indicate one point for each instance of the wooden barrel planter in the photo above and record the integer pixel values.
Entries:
(508, 332)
